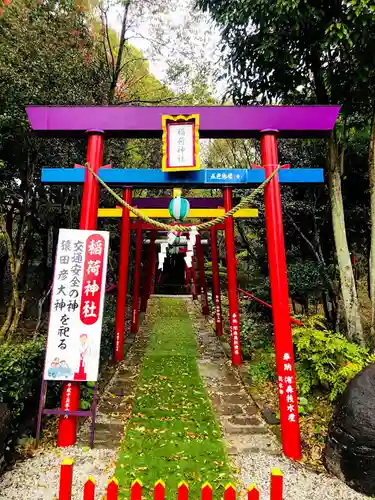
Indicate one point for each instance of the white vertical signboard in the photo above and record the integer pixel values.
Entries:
(77, 303)
(181, 145)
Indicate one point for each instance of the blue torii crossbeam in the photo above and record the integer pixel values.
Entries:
(210, 178)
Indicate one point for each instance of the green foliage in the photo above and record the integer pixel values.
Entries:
(304, 407)
(263, 366)
(87, 395)
(297, 51)
(108, 331)
(21, 367)
(326, 359)
(255, 334)
(305, 279)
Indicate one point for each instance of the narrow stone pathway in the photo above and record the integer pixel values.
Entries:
(254, 449)
(238, 414)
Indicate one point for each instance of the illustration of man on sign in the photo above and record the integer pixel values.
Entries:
(85, 354)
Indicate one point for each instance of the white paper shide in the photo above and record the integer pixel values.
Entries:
(77, 303)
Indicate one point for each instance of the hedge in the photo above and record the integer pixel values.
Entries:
(21, 366)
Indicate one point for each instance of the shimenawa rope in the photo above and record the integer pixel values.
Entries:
(199, 227)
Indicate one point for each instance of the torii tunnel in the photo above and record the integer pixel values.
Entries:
(266, 123)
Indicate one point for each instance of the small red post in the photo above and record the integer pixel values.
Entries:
(206, 491)
(216, 282)
(123, 274)
(70, 399)
(89, 489)
(253, 493)
(277, 485)
(151, 256)
(202, 276)
(286, 374)
(137, 277)
(194, 279)
(183, 491)
(136, 490)
(159, 490)
(230, 492)
(112, 489)
(234, 317)
(66, 479)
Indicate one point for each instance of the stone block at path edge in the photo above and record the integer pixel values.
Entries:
(350, 450)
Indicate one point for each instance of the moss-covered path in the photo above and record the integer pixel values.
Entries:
(173, 434)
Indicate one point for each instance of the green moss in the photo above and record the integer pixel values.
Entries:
(173, 434)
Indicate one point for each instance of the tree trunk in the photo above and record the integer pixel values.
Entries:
(8, 320)
(243, 237)
(16, 318)
(318, 254)
(371, 165)
(348, 288)
(3, 265)
(327, 306)
(17, 262)
(122, 41)
(294, 307)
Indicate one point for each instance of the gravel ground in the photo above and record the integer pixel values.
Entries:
(299, 483)
(37, 478)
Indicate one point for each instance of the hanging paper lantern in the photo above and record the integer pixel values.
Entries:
(179, 208)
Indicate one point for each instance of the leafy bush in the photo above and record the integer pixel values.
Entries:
(21, 367)
(305, 279)
(263, 368)
(255, 334)
(325, 358)
(108, 331)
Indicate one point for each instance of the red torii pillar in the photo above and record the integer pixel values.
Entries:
(202, 277)
(216, 282)
(70, 400)
(194, 279)
(137, 276)
(122, 282)
(280, 301)
(234, 317)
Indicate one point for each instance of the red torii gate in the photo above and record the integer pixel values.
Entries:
(215, 122)
(158, 206)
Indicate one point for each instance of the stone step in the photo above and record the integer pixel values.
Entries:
(244, 429)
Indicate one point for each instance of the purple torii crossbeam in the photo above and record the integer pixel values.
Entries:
(215, 121)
